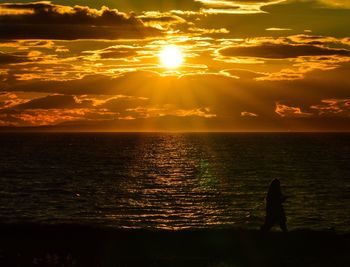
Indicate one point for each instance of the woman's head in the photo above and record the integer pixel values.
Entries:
(275, 187)
(275, 183)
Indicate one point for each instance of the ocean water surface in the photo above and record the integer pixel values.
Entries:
(174, 180)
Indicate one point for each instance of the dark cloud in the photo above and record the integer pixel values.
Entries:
(114, 52)
(161, 18)
(118, 54)
(54, 102)
(11, 58)
(244, 74)
(280, 51)
(161, 5)
(127, 84)
(45, 12)
(235, 7)
(120, 104)
(313, 39)
(49, 21)
(230, 3)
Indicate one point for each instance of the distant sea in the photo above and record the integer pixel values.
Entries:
(174, 180)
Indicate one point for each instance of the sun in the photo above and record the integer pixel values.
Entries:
(171, 57)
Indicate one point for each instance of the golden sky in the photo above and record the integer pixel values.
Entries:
(166, 65)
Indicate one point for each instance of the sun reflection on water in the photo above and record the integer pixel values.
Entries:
(175, 186)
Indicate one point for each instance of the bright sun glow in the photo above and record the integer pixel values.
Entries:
(171, 57)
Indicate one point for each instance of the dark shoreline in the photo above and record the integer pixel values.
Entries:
(77, 245)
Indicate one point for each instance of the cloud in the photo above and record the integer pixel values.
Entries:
(278, 29)
(45, 20)
(159, 20)
(8, 100)
(313, 39)
(333, 107)
(121, 103)
(286, 58)
(169, 110)
(53, 109)
(236, 6)
(248, 114)
(243, 73)
(288, 111)
(54, 102)
(303, 65)
(50, 109)
(89, 84)
(6, 58)
(346, 41)
(280, 51)
(113, 52)
(179, 22)
(39, 117)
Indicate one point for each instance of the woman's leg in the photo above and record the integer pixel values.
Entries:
(267, 225)
(283, 226)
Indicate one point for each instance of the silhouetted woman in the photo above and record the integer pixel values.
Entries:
(274, 208)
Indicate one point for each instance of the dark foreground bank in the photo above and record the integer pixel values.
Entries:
(73, 245)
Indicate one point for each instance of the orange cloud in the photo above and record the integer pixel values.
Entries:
(170, 110)
(248, 114)
(333, 107)
(288, 111)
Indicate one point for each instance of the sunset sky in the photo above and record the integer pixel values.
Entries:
(175, 65)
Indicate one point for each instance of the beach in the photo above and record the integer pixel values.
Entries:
(78, 245)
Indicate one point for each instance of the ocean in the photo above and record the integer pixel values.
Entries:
(174, 180)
